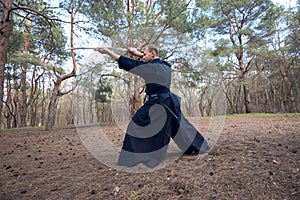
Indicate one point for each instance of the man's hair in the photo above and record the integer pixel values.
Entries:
(152, 47)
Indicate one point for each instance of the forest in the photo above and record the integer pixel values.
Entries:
(227, 57)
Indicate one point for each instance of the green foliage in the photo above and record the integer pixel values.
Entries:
(16, 41)
(112, 17)
(46, 37)
(176, 26)
(175, 15)
(49, 38)
(19, 59)
(292, 41)
(103, 93)
(244, 27)
(107, 16)
(25, 58)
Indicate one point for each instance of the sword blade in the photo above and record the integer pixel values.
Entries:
(110, 48)
(81, 48)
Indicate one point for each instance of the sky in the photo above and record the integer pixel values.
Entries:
(90, 42)
(291, 3)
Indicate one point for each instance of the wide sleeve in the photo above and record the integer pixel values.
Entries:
(128, 63)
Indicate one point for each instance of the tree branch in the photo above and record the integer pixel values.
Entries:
(113, 75)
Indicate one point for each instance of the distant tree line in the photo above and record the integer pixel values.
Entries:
(248, 48)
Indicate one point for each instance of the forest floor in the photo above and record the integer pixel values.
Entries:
(254, 158)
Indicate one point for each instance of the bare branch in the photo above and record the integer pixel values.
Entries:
(9, 109)
(113, 75)
(60, 93)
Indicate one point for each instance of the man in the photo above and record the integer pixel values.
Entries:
(159, 119)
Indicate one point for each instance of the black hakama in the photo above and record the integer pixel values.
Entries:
(159, 119)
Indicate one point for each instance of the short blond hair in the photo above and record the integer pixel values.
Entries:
(152, 47)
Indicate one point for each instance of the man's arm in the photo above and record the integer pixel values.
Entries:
(112, 54)
(123, 62)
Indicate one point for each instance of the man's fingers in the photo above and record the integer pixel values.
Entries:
(100, 49)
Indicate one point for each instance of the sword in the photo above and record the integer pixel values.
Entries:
(110, 48)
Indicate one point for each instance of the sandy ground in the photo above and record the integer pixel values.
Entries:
(254, 158)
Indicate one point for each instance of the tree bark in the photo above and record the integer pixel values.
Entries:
(15, 101)
(24, 105)
(8, 111)
(6, 24)
(267, 102)
(43, 103)
(246, 99)
(23, 111)
(52, 108)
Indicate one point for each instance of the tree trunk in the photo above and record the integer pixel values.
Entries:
(43, 104)
(8, 121)
(256, 94)
(24, 105)
(291, 97)
(8, 111)
(267, 102)
(134, 101)
(52, 109)
(16, 105)
(136, 95)
(231, 107)
(34, 108)
(8, 114)
(6, 24)
(276, 98)
(237, 100)
(246, 99)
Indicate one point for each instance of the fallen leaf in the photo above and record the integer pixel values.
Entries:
(275, 162)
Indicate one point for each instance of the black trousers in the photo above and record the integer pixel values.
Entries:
(148, 133)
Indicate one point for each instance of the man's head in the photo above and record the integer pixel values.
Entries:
(150, 53)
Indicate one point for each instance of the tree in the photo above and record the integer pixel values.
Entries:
(247, 24)
(280, 62)
(37, 40)
(102, 95)
(72, 8)
(138, 23)
(290, 56)
(5, 29)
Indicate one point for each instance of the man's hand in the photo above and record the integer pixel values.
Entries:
(135, 52)
(102, 50)
(105, 50)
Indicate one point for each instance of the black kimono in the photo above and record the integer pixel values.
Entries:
(159, 119)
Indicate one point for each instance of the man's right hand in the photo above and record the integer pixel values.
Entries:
(102, 50)
(135, 52)
(105, 50)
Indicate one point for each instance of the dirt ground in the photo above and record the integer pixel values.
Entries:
(254, 158)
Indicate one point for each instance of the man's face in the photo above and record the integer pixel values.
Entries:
(148, 55)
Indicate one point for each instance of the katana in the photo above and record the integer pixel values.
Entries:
(87, 48)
